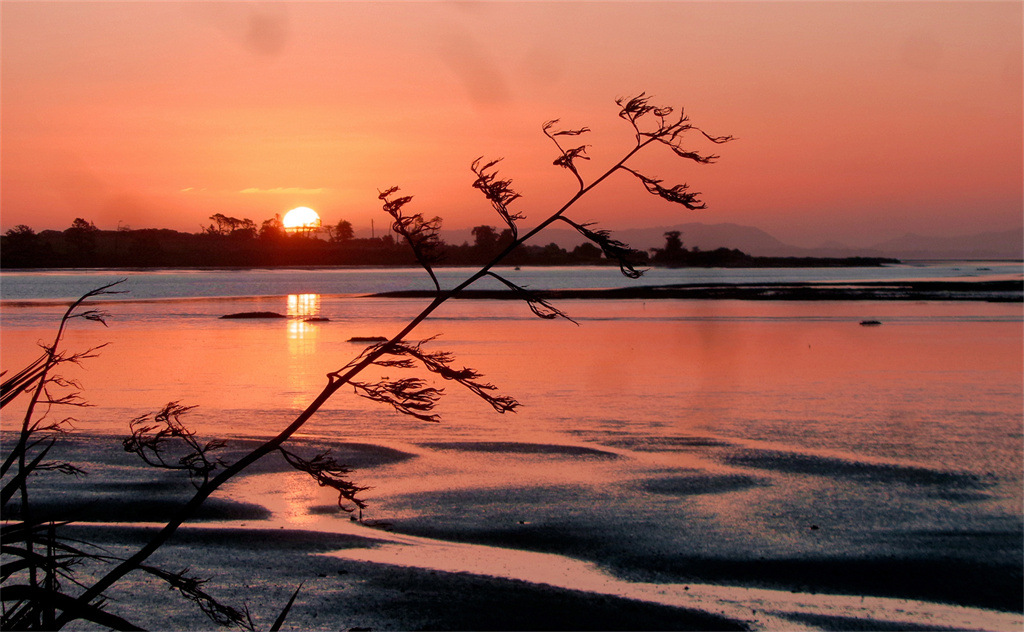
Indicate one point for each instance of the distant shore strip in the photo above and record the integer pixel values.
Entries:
(1008, 291)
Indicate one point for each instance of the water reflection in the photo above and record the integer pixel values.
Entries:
(303, 334)
(302, 307)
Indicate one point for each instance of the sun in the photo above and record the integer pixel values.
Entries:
(301, 218)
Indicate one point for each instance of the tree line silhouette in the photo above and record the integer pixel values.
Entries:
(228, 241)
(232, 242)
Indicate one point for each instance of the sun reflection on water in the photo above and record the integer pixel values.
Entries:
(304, 341)
(300, 308)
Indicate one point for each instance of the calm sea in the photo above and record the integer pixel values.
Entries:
(716, 429)
(805, 373)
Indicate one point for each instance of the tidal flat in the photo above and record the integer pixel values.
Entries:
(591, 539)
(768, 464)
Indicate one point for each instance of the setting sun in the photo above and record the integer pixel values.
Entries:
(301, 218)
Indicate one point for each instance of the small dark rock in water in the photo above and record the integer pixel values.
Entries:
(255, 315)
(316, 319)
(367, 339)
(870, 323)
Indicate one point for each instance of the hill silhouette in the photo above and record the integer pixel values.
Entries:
(991, 245)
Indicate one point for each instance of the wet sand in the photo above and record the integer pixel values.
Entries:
(263, 567)
(480, 556)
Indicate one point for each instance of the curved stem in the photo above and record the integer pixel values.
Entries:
(52, 358)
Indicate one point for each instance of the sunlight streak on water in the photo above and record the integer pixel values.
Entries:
(303, 344)
(303, 305)
(300, 308)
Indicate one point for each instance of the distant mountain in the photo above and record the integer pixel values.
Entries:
(1007, 244)
(754, 241)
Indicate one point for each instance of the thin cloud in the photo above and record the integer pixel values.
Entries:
(293, 190)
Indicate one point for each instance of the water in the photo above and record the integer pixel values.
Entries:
(666, 440)
(937, 384)
(149, 284)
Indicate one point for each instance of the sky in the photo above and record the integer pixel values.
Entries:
(854, 121)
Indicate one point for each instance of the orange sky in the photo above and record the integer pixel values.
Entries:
(857, 121)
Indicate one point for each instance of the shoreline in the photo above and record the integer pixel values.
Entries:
(546, 562)
(350, 594)
(418, 583)
(989, 291)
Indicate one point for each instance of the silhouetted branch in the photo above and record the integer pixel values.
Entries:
(613, 248)
(439, 362)
(569, 156)
(11, 487)
(328, 473)
(28, 600)
(668, 132)
(152, 441)
(284, 612)
(677, 194)
(95, 315)
(499, 192)
(35, 381)
(421, 234)
(410, 396)
(22, 380)
(192, 589)
(537, 305)
(61, 467)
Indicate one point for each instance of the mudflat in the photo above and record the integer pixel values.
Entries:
(545, 555)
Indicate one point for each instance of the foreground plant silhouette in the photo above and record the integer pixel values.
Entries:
(154, 438)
